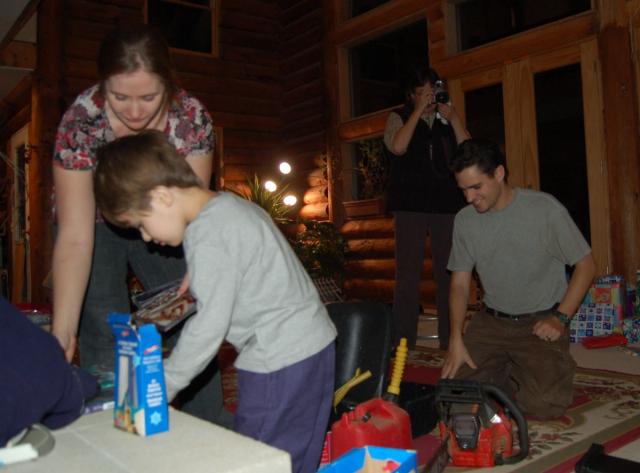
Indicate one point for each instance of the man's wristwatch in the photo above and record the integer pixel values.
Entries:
(562, 317)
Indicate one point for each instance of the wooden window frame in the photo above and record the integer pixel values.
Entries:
(521, 140)
(217, 183)
(214, 7)
(452, 45)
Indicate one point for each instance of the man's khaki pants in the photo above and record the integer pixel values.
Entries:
(536, 373)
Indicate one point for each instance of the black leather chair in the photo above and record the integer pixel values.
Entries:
(364, 341)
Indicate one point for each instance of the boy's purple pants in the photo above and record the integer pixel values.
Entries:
(289, 408)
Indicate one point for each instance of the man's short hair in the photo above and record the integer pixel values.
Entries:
(129, 168)
(479, 152)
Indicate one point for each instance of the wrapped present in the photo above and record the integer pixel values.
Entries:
(593, 320)
(602, 309)
(609, 290)
(631, 329)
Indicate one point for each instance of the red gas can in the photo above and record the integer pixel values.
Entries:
(374, 422)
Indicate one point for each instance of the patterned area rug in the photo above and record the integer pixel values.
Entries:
(605, 410)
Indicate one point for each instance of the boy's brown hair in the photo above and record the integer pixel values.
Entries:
(130, 167)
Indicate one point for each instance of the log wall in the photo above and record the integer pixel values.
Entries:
(304, 104)
(241, 88)
(371, 264)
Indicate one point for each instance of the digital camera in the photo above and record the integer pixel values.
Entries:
(440, 93)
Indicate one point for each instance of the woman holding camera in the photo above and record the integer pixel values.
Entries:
(423, 196)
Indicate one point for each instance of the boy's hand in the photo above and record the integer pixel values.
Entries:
(184, 285)
(456, 356)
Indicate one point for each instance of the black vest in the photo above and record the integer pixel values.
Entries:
(420, 179)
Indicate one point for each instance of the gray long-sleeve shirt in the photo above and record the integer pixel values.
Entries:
(251, 290)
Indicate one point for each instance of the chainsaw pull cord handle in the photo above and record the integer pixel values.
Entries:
(523, 432)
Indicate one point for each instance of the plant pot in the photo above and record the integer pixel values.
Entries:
(364, 208)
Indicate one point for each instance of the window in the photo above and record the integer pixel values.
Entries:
(378, 67)
(358, 7)
(485, 113)
(188, 25)
(561, 141)
(482, 21)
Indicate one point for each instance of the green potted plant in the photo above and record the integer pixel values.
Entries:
(322, 249)
(271, 201)
(373, 171)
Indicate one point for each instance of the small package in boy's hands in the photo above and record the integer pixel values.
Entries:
(140, 395)
(163, 307)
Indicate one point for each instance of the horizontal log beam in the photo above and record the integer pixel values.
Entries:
(381, 268)
(318, 211)
(382, 289)
(363, 127)
(25, 15)
(544, 38)
(19, 54)
(372, 227)
(385, 18)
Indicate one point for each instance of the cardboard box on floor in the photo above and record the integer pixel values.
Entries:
(139, 390)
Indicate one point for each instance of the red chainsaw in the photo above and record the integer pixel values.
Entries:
(476, 426)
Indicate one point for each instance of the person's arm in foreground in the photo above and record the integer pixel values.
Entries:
(202, 165)
(551, 328)
(72, 253)
(458, 298)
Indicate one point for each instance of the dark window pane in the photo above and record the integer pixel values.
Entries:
(561, 146)
(483, 21)
(358, 7)
(184, 27)
(485, 113)
(379, 66)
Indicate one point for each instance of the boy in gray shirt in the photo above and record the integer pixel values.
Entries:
(250, 288)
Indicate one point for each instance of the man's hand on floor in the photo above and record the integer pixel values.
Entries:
(457, 355)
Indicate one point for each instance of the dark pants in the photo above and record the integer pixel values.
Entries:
(116, 250)
(538, 374)
(289, 408)
(411, 230)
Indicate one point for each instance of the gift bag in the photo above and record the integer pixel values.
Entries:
(602, 309)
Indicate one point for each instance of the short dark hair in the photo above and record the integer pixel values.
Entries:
(421, 76)
(130, 167)
(479, 152)
(129, 48)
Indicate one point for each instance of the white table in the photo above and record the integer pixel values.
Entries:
(92, 444)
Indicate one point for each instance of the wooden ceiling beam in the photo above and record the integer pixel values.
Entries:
(27, 12)
(19, 54)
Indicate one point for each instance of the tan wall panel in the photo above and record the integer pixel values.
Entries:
(596, 153)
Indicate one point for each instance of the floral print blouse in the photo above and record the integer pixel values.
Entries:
(85, 127)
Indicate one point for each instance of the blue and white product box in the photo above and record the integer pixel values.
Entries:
(370, 459)
(140, 395)
(593, 320)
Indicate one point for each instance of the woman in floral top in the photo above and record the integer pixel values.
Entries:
(91, 258)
